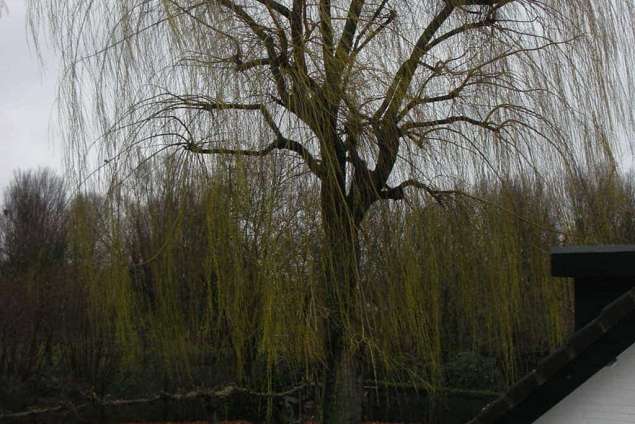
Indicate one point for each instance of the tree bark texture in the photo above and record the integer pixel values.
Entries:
(342, 396)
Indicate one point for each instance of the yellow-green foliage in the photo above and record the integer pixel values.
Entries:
(234, 274)
(101, 332)
(209, 269)
(601, 207)
(466, 276)
(225, 276)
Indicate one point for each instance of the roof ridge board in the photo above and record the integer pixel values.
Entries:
(611, 314)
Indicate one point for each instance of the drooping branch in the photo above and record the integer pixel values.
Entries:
(203, 103)
(211, 105)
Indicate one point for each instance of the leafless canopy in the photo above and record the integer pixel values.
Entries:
(405, 93)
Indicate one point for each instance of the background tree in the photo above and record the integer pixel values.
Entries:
(33, 221)
(371, 97)
(601, 206)
(32, 256)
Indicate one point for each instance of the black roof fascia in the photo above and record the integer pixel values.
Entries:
(593, 347)
(609, 261)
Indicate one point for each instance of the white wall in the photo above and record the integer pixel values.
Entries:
(608, 397)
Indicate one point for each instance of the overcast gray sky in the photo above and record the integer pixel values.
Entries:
(27, 95)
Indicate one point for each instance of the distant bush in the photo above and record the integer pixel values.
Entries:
(473, 371)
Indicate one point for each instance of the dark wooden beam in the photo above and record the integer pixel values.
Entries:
(606, 262)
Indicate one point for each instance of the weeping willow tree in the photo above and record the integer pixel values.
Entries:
(375, 99)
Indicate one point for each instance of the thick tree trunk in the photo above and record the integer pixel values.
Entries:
(342, 398)
(342, 387)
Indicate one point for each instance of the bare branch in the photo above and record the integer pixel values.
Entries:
(450, 120)
(267, 41)
(279, 143)
(350, 28)
(361, 43)
(406, 71)
(398, 192)
(459, 3)
(278, 7)
(209, 105)
(452, 94)
(326, 32)
(461, 29)
(439, 196)
(297, 41)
